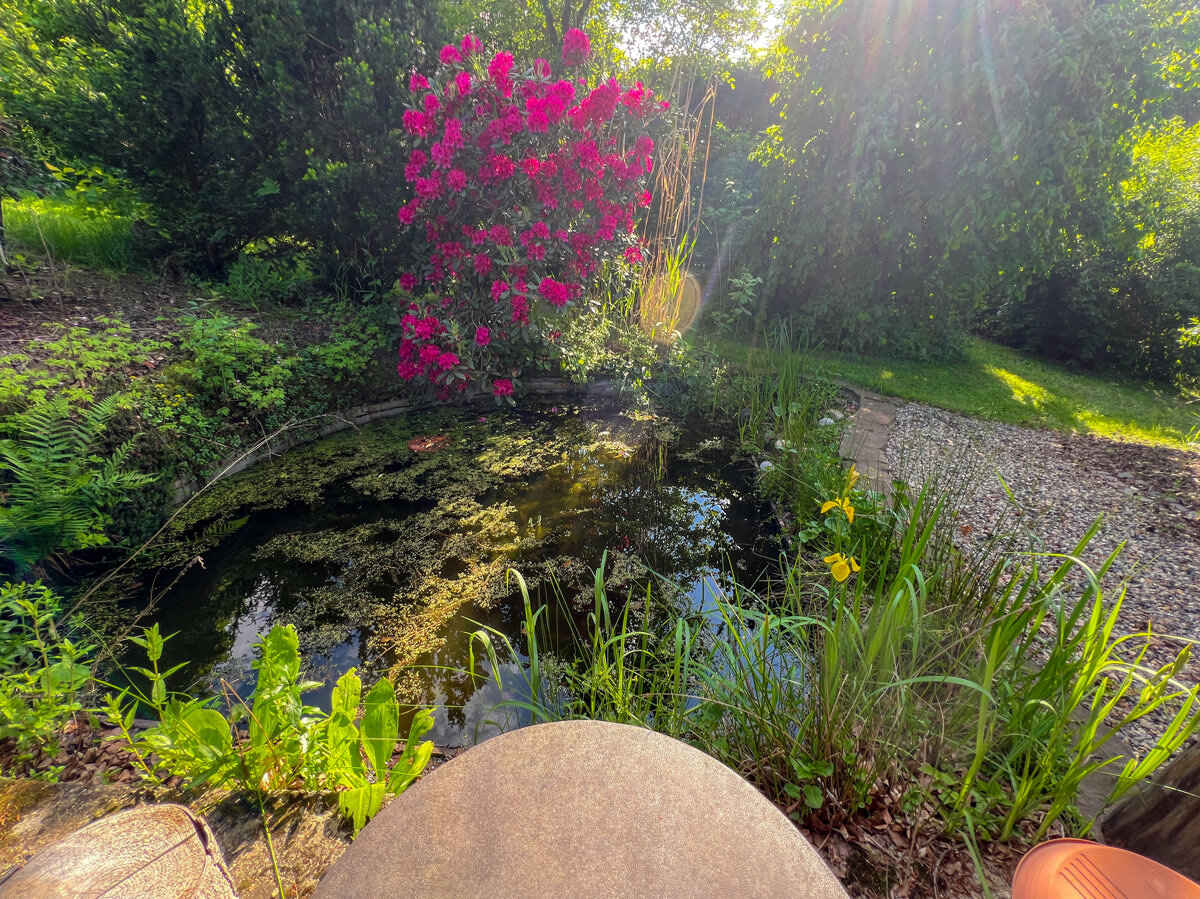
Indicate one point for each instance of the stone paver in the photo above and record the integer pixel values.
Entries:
(581, 808)
(865, 440)
(151, 851)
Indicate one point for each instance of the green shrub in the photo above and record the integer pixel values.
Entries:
(359, 331)
(1124, 291)
(252, 121)
(227, 366)
(76, 366)
(253, 281)
(900, 195)
(734, 317)
(43, 674)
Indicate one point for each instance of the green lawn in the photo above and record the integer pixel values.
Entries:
(1001, 384)
(71, 232)
(998, 383)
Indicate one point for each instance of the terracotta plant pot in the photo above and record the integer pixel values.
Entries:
(1081, 869)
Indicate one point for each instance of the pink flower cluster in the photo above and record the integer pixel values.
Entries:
(523, 186)
(420, 353)
(576, 47)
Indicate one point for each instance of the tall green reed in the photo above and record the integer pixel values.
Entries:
(611, 669)
(988, 704)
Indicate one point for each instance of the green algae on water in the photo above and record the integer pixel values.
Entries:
(386, 559)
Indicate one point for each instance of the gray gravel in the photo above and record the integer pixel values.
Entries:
(1150, 497)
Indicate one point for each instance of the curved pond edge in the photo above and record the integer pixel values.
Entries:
(357, 416)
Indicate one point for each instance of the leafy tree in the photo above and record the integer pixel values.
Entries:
(260, 119)
(704, 35)
(929, 154)
(1123, 298)
(534, 28)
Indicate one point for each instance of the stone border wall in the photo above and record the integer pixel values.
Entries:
(357, 416)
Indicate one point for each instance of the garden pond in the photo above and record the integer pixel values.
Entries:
(388, 559)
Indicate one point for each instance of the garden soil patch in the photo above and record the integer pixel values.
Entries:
(32, 298)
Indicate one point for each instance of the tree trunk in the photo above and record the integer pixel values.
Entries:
(3, 258)
(1161, 820)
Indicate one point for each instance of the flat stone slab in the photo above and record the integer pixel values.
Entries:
(581, 808)
(865, 440)
(306, 830)
(145, 852)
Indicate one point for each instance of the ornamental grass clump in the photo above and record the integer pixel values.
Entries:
(525, 185)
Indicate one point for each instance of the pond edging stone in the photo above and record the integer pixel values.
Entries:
(865, 439)
(542, 388)
(581, 808)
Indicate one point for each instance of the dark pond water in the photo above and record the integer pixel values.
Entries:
(388, 560)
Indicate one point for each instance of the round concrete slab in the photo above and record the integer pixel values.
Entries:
(580, 808)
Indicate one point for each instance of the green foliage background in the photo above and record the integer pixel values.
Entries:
(267, 120)
(931, 156)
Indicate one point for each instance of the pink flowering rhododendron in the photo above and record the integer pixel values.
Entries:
(417, 123)
(556, 293)
(498, 70)
(470, 45)
(524, 186)
(576, 47)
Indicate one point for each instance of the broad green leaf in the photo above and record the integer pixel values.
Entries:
(208, 728)
(380, 726)
(409, 768)
(813, 797)
(341, 736)
(422, 724)
(360, 804)
(347, 694)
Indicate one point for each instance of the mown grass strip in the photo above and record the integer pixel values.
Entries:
(1000, 384)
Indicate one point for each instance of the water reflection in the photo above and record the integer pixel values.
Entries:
(399, 558)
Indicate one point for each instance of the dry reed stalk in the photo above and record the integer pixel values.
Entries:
(667, 295)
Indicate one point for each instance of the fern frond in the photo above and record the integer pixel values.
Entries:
(59, 490)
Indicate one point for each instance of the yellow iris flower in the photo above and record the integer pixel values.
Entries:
(853, 478)
(840, 566)
(842, 503)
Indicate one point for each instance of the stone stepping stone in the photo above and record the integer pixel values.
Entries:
(581, 808)
(865, 440)
(146, 852)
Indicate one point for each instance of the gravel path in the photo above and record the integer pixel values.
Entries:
(1150, 497)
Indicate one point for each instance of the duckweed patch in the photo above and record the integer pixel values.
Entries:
(387, 559)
